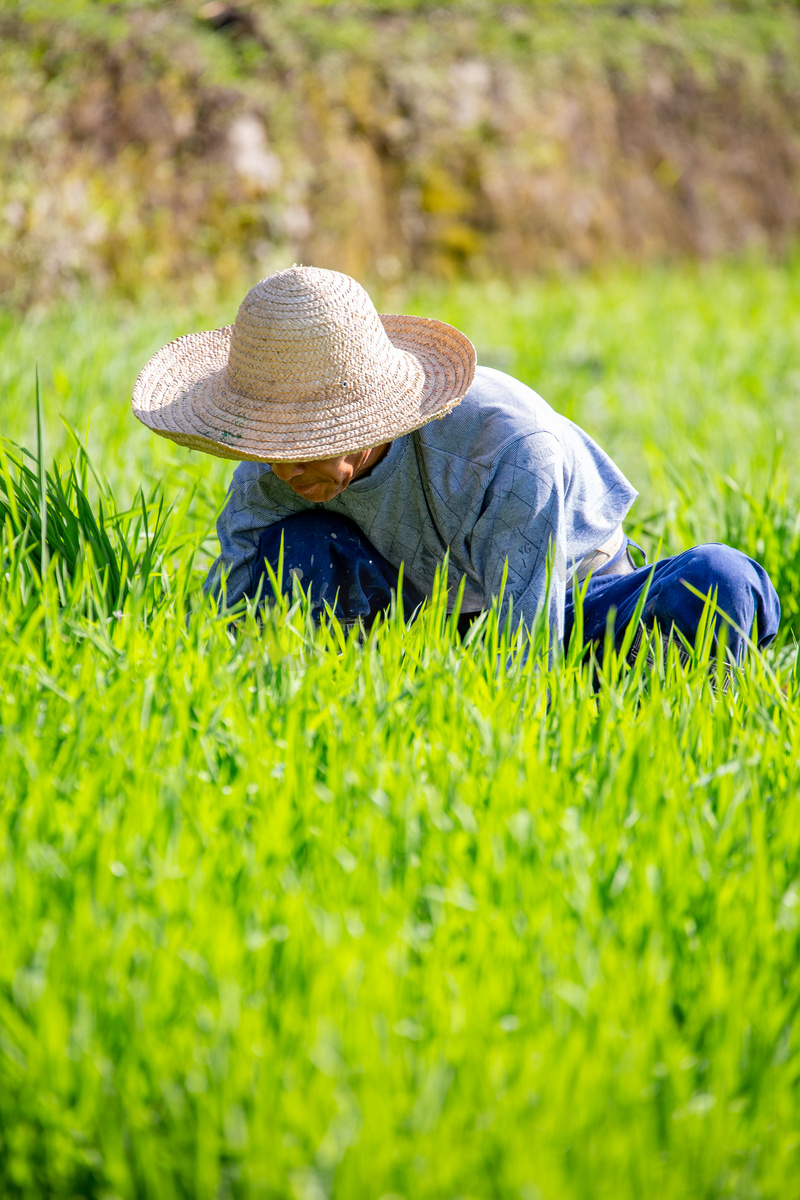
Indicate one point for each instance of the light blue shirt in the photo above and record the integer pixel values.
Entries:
(501, 477)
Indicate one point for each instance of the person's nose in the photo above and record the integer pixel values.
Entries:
(288, 470)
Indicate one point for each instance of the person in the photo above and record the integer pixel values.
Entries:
(368, 441)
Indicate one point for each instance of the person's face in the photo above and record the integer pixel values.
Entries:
(325, 478)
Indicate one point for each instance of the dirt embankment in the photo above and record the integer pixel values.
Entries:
(150, 145)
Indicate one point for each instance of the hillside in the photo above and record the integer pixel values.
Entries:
(150, 143)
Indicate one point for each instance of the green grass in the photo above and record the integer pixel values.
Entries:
(285, 915)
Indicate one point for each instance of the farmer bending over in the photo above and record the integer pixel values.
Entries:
(369, 441)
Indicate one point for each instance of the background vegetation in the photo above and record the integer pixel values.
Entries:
(193, 143)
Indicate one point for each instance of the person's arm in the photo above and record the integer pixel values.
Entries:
(522, 521)
(249, 509)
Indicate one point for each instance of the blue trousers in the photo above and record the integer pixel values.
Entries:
(332, 556)
(742, 589)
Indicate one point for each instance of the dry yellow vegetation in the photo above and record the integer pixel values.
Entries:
(147, 143)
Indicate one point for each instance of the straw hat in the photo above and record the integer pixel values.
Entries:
(308, 370)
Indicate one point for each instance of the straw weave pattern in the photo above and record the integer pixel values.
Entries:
(308, 370)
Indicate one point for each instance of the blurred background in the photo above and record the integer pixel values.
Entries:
(187, 144)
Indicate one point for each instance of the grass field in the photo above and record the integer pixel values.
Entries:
(285, 915)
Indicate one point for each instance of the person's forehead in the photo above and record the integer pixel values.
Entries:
(284, 462)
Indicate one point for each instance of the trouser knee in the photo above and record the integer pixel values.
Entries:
(741, 589)
(334, 562)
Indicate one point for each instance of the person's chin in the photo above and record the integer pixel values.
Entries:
(318, 493)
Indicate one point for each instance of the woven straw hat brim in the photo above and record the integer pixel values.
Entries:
(184, 394)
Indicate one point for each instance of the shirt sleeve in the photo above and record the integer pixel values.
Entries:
(248, 511)
(522, 522)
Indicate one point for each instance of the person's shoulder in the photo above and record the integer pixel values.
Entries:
(496, 412)
(251, 481)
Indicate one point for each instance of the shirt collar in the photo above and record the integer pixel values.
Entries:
(382, 470)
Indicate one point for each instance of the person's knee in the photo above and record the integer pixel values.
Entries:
(316, 523)
(740, 588)
(304, 533)
(718, 570)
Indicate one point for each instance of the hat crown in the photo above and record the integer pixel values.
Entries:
(311, 333)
